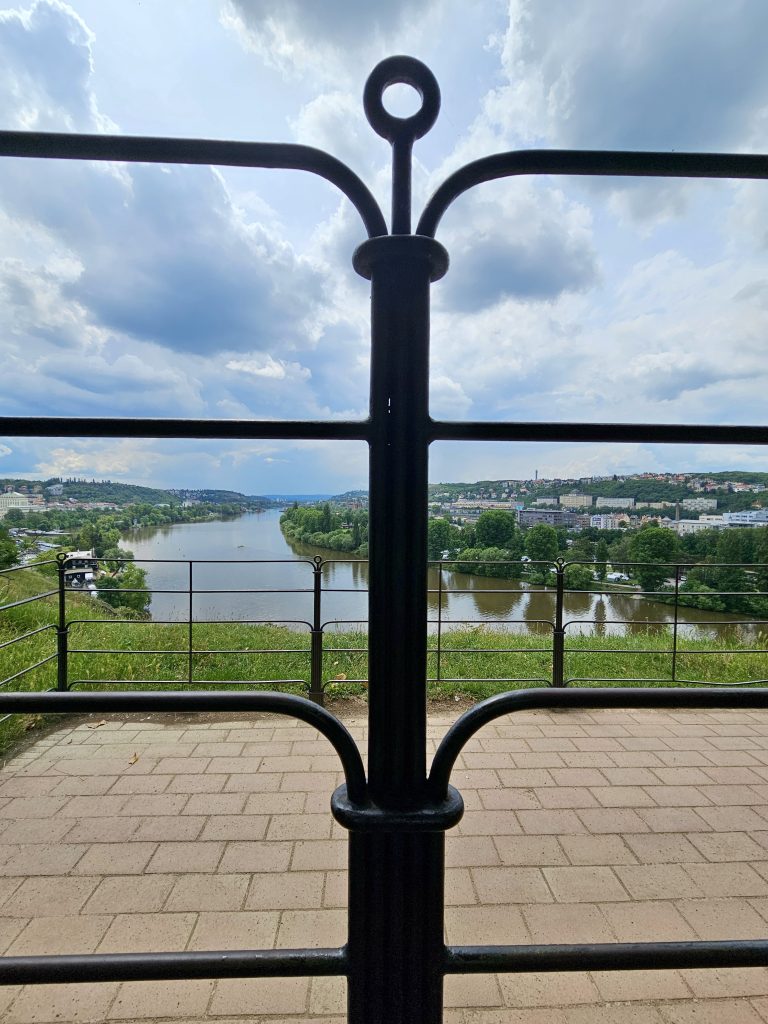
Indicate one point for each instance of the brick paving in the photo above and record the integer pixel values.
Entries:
(129, 835)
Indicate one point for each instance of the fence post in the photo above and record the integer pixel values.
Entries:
(439, 617)
(558, 635)
(316, 656)
(62, 629)
(674, 624)
(190, 667)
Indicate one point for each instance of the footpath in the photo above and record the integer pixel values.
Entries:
(135, 834)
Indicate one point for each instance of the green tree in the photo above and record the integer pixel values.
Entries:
(658, 548)
(495, 528)
(733, 546)
(440, 536)
(578, 577)
(541, 543)
(8, 550)
(114, 589)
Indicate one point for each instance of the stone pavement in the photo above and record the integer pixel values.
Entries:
(201, 833)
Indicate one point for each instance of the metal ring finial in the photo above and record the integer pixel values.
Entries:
(411, 72)
(401, 132)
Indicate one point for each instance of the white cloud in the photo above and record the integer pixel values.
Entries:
(273, 369)
(302, 37)
(126, 458)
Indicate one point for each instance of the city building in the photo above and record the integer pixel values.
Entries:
(752, 517)
(575, 500)
(615, 503)
(699, 504)
(605, 521)
(22, 502)
(686, 526)
(552, 517)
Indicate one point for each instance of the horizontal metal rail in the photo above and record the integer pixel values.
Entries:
(185, 682)
(29, 668)
(623, 680)
(131, 703)
(146, 149)
(185, 651)
(614, 163)
(614, 433)
(162, 428)
(606, 956)
(21, 568)
(28, 600)
(230, 963)
(598, 698)
(26, 636)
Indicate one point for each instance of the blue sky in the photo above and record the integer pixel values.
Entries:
(147, 290)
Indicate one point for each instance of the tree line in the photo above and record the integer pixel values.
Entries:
(338, 529)
(652, 557)
(99, 531)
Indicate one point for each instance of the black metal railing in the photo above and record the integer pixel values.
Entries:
(545, 582)
(395, 959)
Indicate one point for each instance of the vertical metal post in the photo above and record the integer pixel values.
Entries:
(316, 636)
(674, 624)
(190, 668)
(395, 880)
(439, 618)
(558, 636)
(62, 630)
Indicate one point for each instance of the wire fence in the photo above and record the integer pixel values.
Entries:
(58, 637)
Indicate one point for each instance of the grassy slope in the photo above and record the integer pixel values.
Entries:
(472, 661)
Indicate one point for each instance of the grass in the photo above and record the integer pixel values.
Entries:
(475, 662)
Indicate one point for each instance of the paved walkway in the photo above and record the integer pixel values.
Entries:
(125, 835)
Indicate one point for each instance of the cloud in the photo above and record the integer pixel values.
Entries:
(167, 297)
(519, 241)
(645, 76)
(652, 75)
(297, 36)
(273, 369)
(125, 458)
(668, 340)
(45, 65)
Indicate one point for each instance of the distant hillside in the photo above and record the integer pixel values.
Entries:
(99, 490)
(301, 498)
(350, 496)
(218, 497)
(129, 494)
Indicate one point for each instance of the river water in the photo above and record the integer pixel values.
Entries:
(249, 553)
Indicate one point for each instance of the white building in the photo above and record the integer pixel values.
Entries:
(12, 499)
(575, 500)
(699, 504)
(605, 521)
(686, 526)
(753, 517)
(615, 503)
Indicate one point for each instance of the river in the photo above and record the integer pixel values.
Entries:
(249, 553)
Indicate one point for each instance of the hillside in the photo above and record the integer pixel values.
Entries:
(128, 494)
